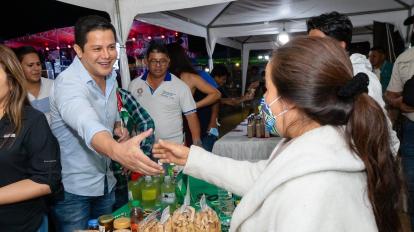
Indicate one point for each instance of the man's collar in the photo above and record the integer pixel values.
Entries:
(84, 74)
(166, 78)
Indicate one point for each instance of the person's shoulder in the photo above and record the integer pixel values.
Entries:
(68, 76)
(46, 80)
(136, 83)
(137, 80)
(177, 81)
(406, 56)
(31, 114)
(48, 83)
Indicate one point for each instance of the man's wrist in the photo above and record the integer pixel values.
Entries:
(114, 150)
(197, 142)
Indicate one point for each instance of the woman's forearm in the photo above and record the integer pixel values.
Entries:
(209, 99)
(21, 191)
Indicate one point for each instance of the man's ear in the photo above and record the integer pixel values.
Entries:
(342, 44)
(146, 61)
(78, 50)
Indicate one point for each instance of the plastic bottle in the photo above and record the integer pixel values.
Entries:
(133, 191)
(149, 193)
(157, 181)
(168, 193)
(226, 208)
(136, 215)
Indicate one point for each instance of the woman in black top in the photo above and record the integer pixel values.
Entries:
(29, 153)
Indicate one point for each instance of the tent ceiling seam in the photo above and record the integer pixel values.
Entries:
(301, 19)
(182, 18)
(245, 41)
(219, 14)
(407, 6)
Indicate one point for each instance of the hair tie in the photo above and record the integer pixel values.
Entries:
(357, 85)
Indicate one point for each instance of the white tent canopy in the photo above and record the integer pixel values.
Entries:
(237, 23)
(122, 13)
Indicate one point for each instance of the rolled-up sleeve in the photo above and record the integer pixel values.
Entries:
(76, 110)
(44, 155)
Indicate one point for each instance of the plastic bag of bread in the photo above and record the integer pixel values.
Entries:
(165, 223)
(206, 220)
(149, 224)
(183, 219)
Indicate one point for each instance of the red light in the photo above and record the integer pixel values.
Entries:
(47, 49)
(149, 37)
(57, 47)
(133, 39)
(163, 36)
(69, 46)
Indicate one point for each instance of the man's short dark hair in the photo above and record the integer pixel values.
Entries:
(219, 70)
(90, 23)
(334, 24)
(156, 47)
(378, 49)
(24, 50)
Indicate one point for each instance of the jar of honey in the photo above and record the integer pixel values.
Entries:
(106, 223)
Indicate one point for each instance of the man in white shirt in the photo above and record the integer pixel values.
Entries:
(339, 27)
(402, 72)
(38, 88)
(165, 97)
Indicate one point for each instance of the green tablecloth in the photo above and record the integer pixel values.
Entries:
(197, 189)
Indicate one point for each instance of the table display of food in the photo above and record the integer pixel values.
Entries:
(170, 203)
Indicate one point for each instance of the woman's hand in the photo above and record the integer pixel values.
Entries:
(168, 152)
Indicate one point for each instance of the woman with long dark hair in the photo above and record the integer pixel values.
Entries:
(205, 95)
(181, 67)
(29, 153)
(334, 171)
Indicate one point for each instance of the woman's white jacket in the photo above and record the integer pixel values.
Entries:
(314, 184)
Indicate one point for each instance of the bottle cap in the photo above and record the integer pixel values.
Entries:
(93, 223)
(105, 218)
(135, 176)
(122, 223)
(135, 203)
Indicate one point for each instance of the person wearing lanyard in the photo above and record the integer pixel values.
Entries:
(29, 153)
(84, 120)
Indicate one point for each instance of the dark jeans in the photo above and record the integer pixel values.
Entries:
(121, 196)
(44, 226)
(407, 155)
(208, 142)
(74, 211)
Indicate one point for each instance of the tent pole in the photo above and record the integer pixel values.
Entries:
(123, 59)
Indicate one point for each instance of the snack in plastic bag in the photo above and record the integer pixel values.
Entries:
(149, 224)
(206, 220)
(165, 223)
(183, 219)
